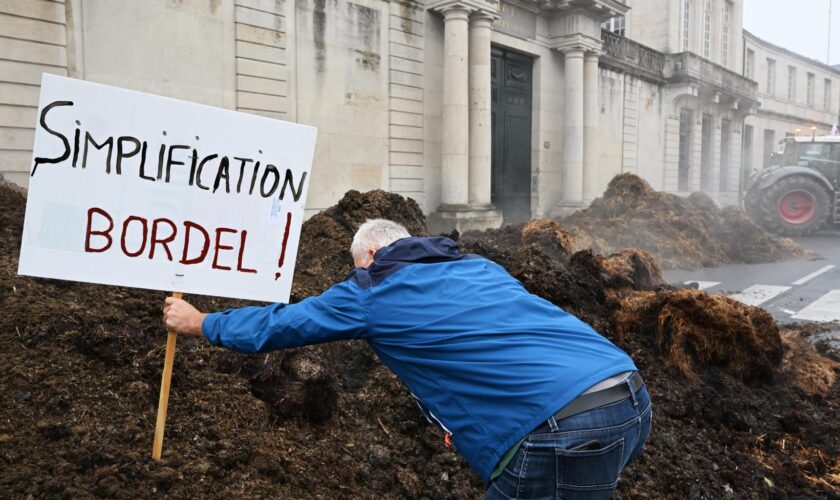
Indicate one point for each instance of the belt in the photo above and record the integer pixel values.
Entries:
(597, 399)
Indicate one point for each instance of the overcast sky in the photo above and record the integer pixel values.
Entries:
(797, 25)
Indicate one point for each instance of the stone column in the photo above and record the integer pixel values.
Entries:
(481, 133)
(455, 168)
(572, 179)
(591, 112)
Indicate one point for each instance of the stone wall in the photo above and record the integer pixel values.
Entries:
(341, 78)
(32, 41)
(406, 31)
(631, 108)
(262, 58)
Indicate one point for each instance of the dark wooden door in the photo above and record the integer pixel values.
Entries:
(511, 179)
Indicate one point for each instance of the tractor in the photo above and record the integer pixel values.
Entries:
(799, 193)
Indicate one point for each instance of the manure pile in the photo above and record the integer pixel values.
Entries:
(680, 233)
(80, 372)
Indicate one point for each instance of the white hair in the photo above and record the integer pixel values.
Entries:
(376, 233)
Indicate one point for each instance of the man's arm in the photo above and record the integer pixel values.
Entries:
(339, 313)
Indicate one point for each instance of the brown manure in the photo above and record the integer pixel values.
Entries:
(679, 232)
(695, 331)
(80, 369)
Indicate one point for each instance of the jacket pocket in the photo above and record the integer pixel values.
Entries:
(591, 467)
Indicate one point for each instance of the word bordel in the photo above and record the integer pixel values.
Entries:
(157, 236)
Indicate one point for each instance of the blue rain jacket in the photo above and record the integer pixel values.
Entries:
(487, 360)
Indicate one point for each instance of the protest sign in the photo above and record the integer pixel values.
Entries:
(132, 189)
(138, 190)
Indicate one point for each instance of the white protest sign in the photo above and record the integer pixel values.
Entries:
(138, 190)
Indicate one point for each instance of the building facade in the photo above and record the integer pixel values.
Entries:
(799, 96)
(482, 111)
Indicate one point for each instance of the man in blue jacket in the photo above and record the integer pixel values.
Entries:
(537, 402)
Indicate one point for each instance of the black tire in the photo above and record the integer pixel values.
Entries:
(769, 211)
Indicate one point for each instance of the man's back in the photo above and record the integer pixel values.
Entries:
(487, 359)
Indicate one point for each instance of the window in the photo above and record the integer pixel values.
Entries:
(725, 138)
(769, 146)
(827, 94)
(686, 125)
(707, 28)
(747, 154)
(724, 49)
(615, 25)
(749, 70)
(771, 76)
(706, 153)
(811, 90)
(686, 24)
(791, 83)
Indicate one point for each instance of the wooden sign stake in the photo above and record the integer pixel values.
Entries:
(169, 360)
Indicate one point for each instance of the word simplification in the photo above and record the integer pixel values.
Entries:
(210, 172)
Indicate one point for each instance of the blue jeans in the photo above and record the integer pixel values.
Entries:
(580, 456)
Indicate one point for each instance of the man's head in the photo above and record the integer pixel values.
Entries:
(373, 235)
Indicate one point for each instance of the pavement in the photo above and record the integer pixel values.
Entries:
(798, 291)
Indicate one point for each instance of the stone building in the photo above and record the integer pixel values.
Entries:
(482, 111)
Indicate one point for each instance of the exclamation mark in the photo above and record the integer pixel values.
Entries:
(283, 248)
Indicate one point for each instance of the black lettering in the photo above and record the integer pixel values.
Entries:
(121, 154)
(254, 177)
(43, 121)
(170, 161)
(198, 173)
(108, 142)
(224, 166)
(76, 147)
(143, 163)
(269, 168)
(289, 181)
(242, 163)
(160, 160)
(193, 165)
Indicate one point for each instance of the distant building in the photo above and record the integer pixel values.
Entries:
(798, 96)
(480, 110)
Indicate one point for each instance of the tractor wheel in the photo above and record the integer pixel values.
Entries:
(795, 206)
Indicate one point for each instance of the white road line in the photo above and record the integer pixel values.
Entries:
(759, 294)
(824, 309)
(806, 279)
(704, 285)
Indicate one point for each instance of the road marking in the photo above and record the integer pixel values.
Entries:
(806, 279)
(704, 285)
(825, 309)
(759, 294)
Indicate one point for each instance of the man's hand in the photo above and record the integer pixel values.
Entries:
(181, 317)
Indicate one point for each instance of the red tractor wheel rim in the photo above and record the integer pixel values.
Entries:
(797, 207)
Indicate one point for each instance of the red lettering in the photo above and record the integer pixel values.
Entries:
(164, 242)
(157, 235)
(188, 227)
(219, 246)
(106, 233)
(241, 253)
(125, 232)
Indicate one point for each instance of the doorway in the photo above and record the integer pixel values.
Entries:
(511, 77)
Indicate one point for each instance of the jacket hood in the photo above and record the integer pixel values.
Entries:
(414, 249)
(405, 252)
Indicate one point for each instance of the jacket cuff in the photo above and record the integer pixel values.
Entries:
(210, 328)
